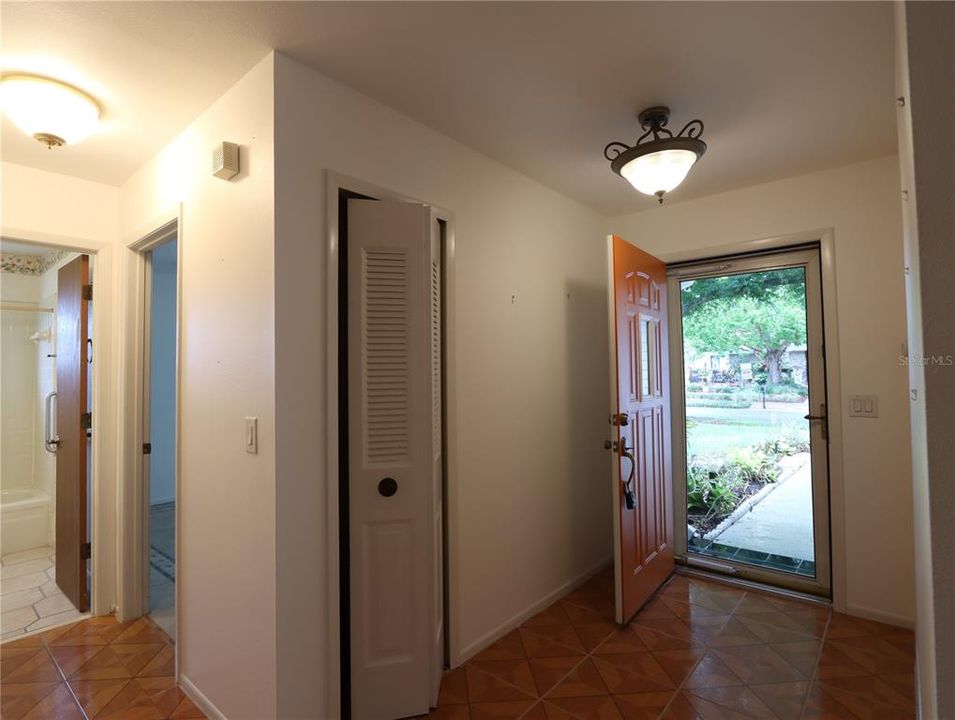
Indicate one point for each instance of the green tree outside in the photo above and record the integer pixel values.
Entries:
(761, 313)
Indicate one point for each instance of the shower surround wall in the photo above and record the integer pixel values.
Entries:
(28, 471)
(25, 497)
(18, 366)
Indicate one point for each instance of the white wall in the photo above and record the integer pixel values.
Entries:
(18, 376)
(533, 505)
(861, 203)
(85, 216)
(162, 375)
(226, 576)
(924, 59)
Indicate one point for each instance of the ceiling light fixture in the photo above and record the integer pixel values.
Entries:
(656, 165)
(49, 111)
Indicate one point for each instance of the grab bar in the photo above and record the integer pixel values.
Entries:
(51, 440)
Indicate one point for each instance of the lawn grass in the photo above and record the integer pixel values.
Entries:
(718, 436)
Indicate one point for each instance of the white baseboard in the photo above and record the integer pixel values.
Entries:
(504, 628)
(881, 616)
(200, 700)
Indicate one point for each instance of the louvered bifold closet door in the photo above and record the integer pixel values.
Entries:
(391, 458)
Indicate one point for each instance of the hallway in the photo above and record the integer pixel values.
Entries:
(697, 650)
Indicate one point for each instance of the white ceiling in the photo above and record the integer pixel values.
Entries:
(783, 88)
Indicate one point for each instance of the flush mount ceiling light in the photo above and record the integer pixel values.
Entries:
(659, 160)
(49, 111)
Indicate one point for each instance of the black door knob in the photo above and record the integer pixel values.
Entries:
(387, 487)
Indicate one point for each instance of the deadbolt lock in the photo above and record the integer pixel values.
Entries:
(619, 419)
(611, 445)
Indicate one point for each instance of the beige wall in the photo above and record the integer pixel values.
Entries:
(226, 574)
(861, 203)
(925, 57)
(533, 507)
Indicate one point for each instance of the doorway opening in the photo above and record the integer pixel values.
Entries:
(160, 343)
(47, 413)
(392, 484)
(750, 429)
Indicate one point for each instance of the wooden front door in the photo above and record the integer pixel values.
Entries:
(72, 335)
(640, 420)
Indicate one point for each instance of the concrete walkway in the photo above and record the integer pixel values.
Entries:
(781, 524)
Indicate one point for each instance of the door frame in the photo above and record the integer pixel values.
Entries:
(104, 440)
(821, 583)
(335, 183)
(824, 239)
(132, 489)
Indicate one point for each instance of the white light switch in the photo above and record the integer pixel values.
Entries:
(252, 435)
(864, 406)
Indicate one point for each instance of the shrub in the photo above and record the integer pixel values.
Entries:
(755, 465)
(694, 388)
(785, 445)
(717, 402)
(710, 491)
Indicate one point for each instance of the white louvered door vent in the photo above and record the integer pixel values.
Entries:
(385, 354)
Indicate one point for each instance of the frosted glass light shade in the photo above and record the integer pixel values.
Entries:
(49, 111)
(659, 172)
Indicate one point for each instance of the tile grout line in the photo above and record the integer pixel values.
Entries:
(66, 680)
(587, 656)
(706, 649)
(815, 666)
(66, 683)
(590, 654)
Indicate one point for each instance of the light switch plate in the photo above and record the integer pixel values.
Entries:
(866, 406)
(252, 435)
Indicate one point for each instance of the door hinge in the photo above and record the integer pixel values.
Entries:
(147, 448)
(88, 292)
(86, 421)
(86, 551)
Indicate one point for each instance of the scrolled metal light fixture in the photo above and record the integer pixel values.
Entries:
(659, 160)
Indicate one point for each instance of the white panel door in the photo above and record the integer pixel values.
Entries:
(437, 465)
(392, 479)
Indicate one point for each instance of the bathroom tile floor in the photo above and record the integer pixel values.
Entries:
(95, 668)
(162, 566)
(29, 597)
(699, 650)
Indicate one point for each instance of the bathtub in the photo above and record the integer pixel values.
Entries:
(24, 520)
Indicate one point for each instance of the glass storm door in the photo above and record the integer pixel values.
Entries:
(750, 439)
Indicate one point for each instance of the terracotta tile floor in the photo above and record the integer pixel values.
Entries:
(698, 650)
(96, 668)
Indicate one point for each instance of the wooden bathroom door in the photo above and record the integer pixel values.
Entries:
(72, 421)
(640, 419)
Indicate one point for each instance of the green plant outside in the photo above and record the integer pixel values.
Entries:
(716, 484)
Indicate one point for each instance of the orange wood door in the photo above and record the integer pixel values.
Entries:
(643, 553)
(72, 333)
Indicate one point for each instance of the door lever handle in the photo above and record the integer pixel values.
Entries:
(822, 418)
(628, 495)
